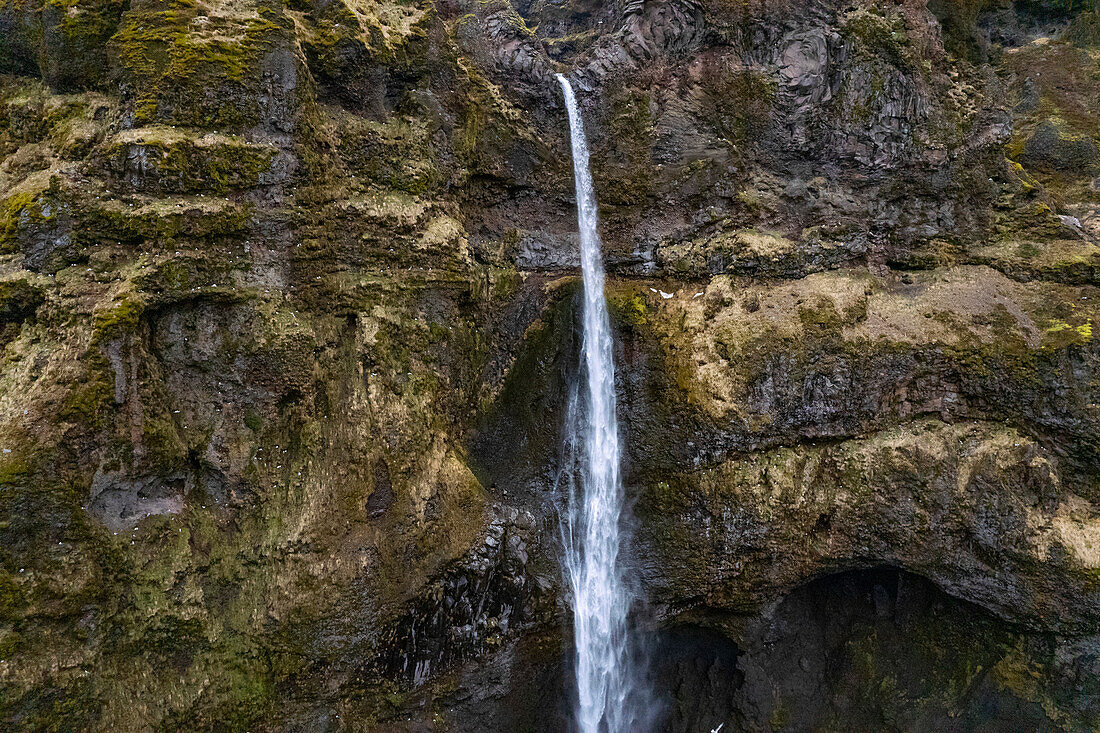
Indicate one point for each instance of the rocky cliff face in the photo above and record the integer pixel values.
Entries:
(287, 317)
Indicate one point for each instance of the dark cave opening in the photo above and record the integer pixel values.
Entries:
(878, 649)
(874, 649)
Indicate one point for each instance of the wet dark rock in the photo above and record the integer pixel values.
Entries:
(469, 610)
(381, 498)
(544, 251)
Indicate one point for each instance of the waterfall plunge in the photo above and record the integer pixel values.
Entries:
(609, 697)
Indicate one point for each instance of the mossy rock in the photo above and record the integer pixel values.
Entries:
(185, 276)
(20, 36)
(959, 19)
(623, 160)
(342, 42)
(740, 103)
(1055, 147)
(395, 154)
(752, 252)
(1084, 30)
(64, 41)
(876, 37)
(19, 300)
(164, 160)
(162, 221)
(68, 125)
(1048, 10)
(1071, 261)
(177, 67)
(37, 221)
(73, 53)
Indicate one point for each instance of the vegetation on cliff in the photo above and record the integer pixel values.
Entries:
(286, 318)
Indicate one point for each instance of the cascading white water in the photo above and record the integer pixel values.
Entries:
(591, 525)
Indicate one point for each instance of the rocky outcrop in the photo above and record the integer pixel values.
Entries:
(839, 354)
(980, 510)
(648, 32)
(470, 608)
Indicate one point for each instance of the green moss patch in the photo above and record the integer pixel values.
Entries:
(164, 160)
(205, 71)
(63, 40)
(395, 154)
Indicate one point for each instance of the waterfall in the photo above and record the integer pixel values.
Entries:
(605, 680)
